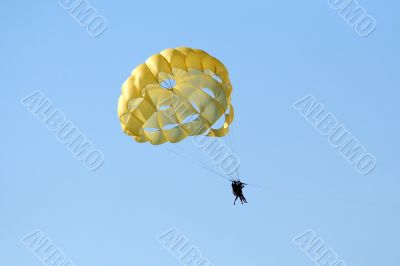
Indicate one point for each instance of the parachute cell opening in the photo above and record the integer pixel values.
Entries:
(190, 118)
(168, 84)
(151, 129)
(217, 78)
(164, 107)
(209, 92)
(170, 126)
(195, 106)
(219, 123)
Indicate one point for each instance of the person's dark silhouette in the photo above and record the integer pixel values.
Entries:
(237, 189)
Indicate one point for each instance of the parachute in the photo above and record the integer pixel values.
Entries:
(175, 94)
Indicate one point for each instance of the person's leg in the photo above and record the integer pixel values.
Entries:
(235, 200)
(244, 199)
(241, 199)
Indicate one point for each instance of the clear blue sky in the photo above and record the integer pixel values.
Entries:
(276, 52)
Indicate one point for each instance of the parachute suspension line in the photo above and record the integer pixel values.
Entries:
(232, 147)
(232, 177)
(194, 161)
(237, 178)
(228, 142)
(232, 136)
(215, 172)
(198, 163)
(188, 154)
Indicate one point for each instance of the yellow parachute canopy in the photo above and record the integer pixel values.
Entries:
(175, 94)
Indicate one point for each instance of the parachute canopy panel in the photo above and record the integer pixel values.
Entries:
(175, 94)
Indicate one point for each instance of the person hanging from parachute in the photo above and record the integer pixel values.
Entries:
(175, 94)
(237, 190)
